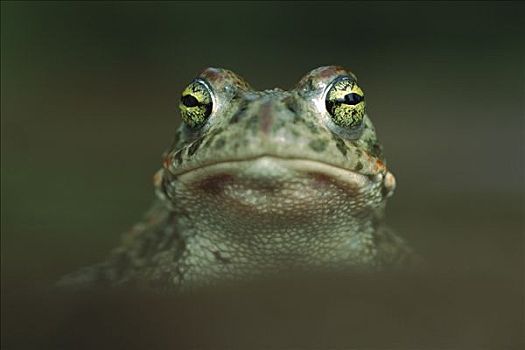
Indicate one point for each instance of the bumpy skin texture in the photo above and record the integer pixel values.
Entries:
(265, 182)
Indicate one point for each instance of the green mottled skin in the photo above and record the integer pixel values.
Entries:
(268, 183)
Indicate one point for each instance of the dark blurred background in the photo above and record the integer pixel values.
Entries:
(88, 102)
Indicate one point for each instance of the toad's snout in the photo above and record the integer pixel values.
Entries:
(266, 114)
(272, 114)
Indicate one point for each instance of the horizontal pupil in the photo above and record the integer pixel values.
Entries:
(352, 99)
(189, 101)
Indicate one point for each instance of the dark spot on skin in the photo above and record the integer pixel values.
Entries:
(317, 145)
(341, 146)
(298, 119)
(219, 143)
(291, 104)
(194, 146)
(376, 150)
(359, 166)
(311, 126)
(240, 112)
(220, 258)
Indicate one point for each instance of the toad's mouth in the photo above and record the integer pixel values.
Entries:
(254, 187)
(269, 168)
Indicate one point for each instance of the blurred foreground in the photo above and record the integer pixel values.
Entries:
(430, 309)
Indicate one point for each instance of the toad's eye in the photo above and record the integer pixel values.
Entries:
(345, 102)
(196, 104)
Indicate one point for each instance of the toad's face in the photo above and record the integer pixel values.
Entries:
(276, 151)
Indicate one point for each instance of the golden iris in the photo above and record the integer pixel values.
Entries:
(345, 102)
(195, 104)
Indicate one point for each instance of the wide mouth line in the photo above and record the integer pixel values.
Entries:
(297, 160)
